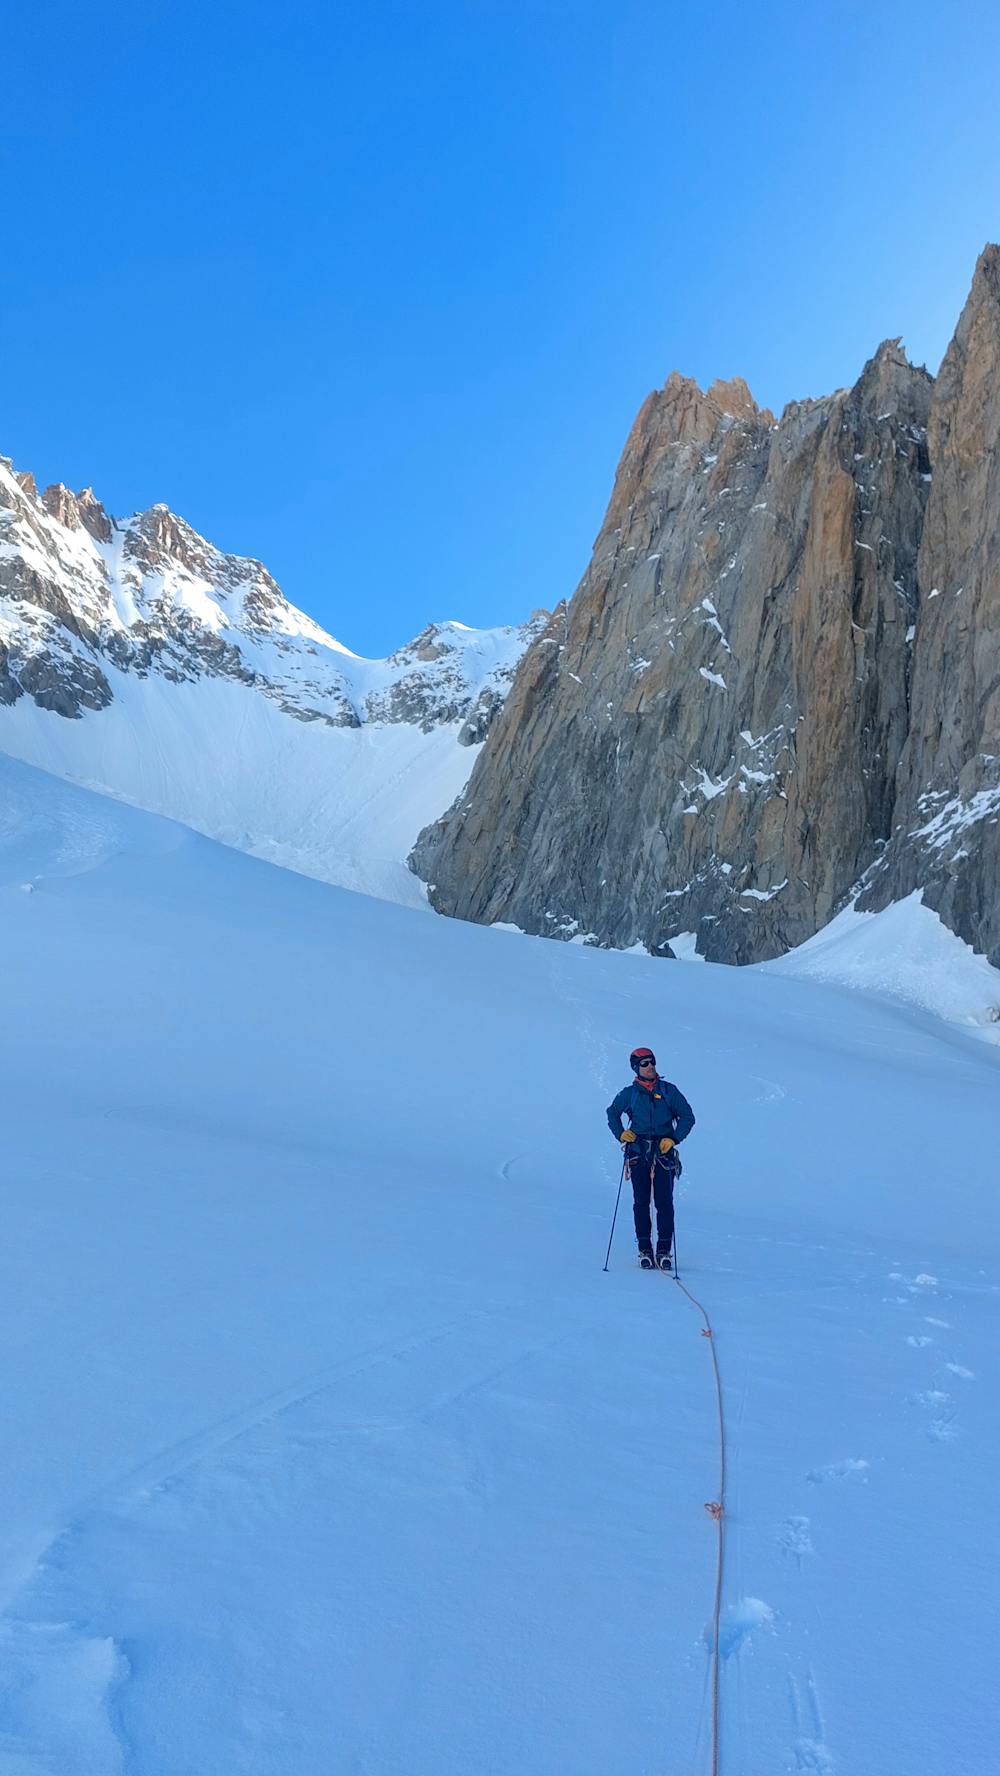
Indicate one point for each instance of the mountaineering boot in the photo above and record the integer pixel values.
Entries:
(663, 1258)
(645, 1258)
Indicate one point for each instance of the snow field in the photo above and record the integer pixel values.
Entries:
(328, 1444)
(905, 952)
(342, 804)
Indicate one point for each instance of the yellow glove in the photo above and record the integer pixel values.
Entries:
(627, 1135)
(666, 1144)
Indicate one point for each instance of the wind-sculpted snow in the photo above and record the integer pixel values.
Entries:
(328, 1444)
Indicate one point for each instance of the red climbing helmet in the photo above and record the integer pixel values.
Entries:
(638, 1055)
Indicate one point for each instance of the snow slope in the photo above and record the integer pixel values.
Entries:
(329, 1446)
(342, 804)
(906, 952)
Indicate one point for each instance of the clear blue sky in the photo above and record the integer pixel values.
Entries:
(373, 291)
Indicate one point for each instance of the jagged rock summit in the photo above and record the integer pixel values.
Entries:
(81, 592)
(137, 658)
(777, 686)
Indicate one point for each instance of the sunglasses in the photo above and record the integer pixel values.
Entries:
(649, 1063)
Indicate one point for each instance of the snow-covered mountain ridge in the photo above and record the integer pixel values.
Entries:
(138, 659)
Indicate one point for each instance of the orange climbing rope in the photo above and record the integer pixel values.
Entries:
(716, 1509)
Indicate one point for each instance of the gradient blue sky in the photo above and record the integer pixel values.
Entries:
(373, 291)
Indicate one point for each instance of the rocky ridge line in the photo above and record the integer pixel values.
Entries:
(84, 597)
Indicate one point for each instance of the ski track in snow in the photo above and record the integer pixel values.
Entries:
(139, 1489)
(807, 1719)
(173, 1461)
(166, 1468)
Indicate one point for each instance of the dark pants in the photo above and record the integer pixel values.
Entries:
(652, 1171)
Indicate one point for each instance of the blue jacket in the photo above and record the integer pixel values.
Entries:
(662, 1111)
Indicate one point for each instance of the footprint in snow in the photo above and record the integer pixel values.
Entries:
(963, 1373)
(942, 1428)
(918, 1340)
(931, 1321)
(793, 1538)
(810, 1756)
(930, 1397)
(738, 1622)
(855, 1469)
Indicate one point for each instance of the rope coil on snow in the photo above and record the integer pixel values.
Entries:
(716, 1509)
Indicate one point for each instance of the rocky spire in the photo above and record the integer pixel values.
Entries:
(76, 511)
(946, 837)
(778, 681)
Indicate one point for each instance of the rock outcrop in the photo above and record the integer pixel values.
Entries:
(776, 683)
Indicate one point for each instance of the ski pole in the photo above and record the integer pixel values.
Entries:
(618, 1199)
(676, 1269)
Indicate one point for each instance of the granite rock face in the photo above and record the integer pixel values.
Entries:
(946, 829)
(776, 682)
